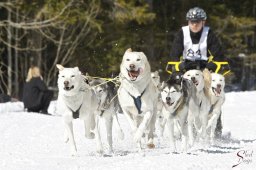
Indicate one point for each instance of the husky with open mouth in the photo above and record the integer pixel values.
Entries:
(75, 100)
(137, 95)
(217, 96)
(200, 107)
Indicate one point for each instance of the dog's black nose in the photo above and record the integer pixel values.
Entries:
(218, 86)
(168, 98)
(66, 83)
(193, 79)
(132, 66)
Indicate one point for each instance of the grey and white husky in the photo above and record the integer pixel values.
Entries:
(176, 93)
(106, 95)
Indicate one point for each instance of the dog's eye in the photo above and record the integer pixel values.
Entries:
(138, 59)
(213, 80)
(73, 76)
(127, 59)
(165, 91)
(197, 74)
(220, 80)
(63, 76)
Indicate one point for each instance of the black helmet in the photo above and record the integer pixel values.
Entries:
(195, 14)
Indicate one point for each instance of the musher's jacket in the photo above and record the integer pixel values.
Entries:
(212, 45)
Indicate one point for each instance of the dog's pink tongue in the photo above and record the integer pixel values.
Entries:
(134, 73)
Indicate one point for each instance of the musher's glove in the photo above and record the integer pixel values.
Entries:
(182, 67)
(211, 66)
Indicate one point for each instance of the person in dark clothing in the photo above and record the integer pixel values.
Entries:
(196, 43)
(36, 96)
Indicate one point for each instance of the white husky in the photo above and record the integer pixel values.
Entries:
(76, 99)
(217, 95)
(137, 95)
(199, 108)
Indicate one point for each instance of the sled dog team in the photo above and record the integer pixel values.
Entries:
(187, 106)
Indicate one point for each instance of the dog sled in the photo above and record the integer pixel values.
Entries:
(222, 66)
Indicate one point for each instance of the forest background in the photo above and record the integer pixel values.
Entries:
(94, 34)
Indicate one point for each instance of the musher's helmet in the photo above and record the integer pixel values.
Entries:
(196, 14)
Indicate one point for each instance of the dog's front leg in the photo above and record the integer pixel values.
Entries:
(151, 128)
(89, 125)
(213, 122)
(130, 120)
(142, 127)
(119, 130)
(97, 134)
(170, 125)
(190, 129)
(160, 122)
(109, 125)
(204, 120)
(184, 136)
(69, 129)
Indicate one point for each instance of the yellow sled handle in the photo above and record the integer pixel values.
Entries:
(222, 67)
(171, 64)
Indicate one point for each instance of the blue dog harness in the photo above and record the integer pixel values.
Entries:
(75, 114)
(137, 101)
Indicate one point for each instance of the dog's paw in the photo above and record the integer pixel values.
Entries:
(109, 152)
(151, 146)
(90, 135)
(100, 151)
(73, 153)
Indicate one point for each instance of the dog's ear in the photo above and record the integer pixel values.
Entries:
(129, 50)
(163, 85)
(60, 67)
(145, 59)
(77, 69)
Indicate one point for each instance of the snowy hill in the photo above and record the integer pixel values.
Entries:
(30, 141)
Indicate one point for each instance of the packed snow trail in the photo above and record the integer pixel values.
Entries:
(30, 141)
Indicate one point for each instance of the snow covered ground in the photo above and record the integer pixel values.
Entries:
(30, 141)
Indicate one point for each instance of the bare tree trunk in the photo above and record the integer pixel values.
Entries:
(16, 60)
(254, 15)
(9, 49)
(151, 35)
